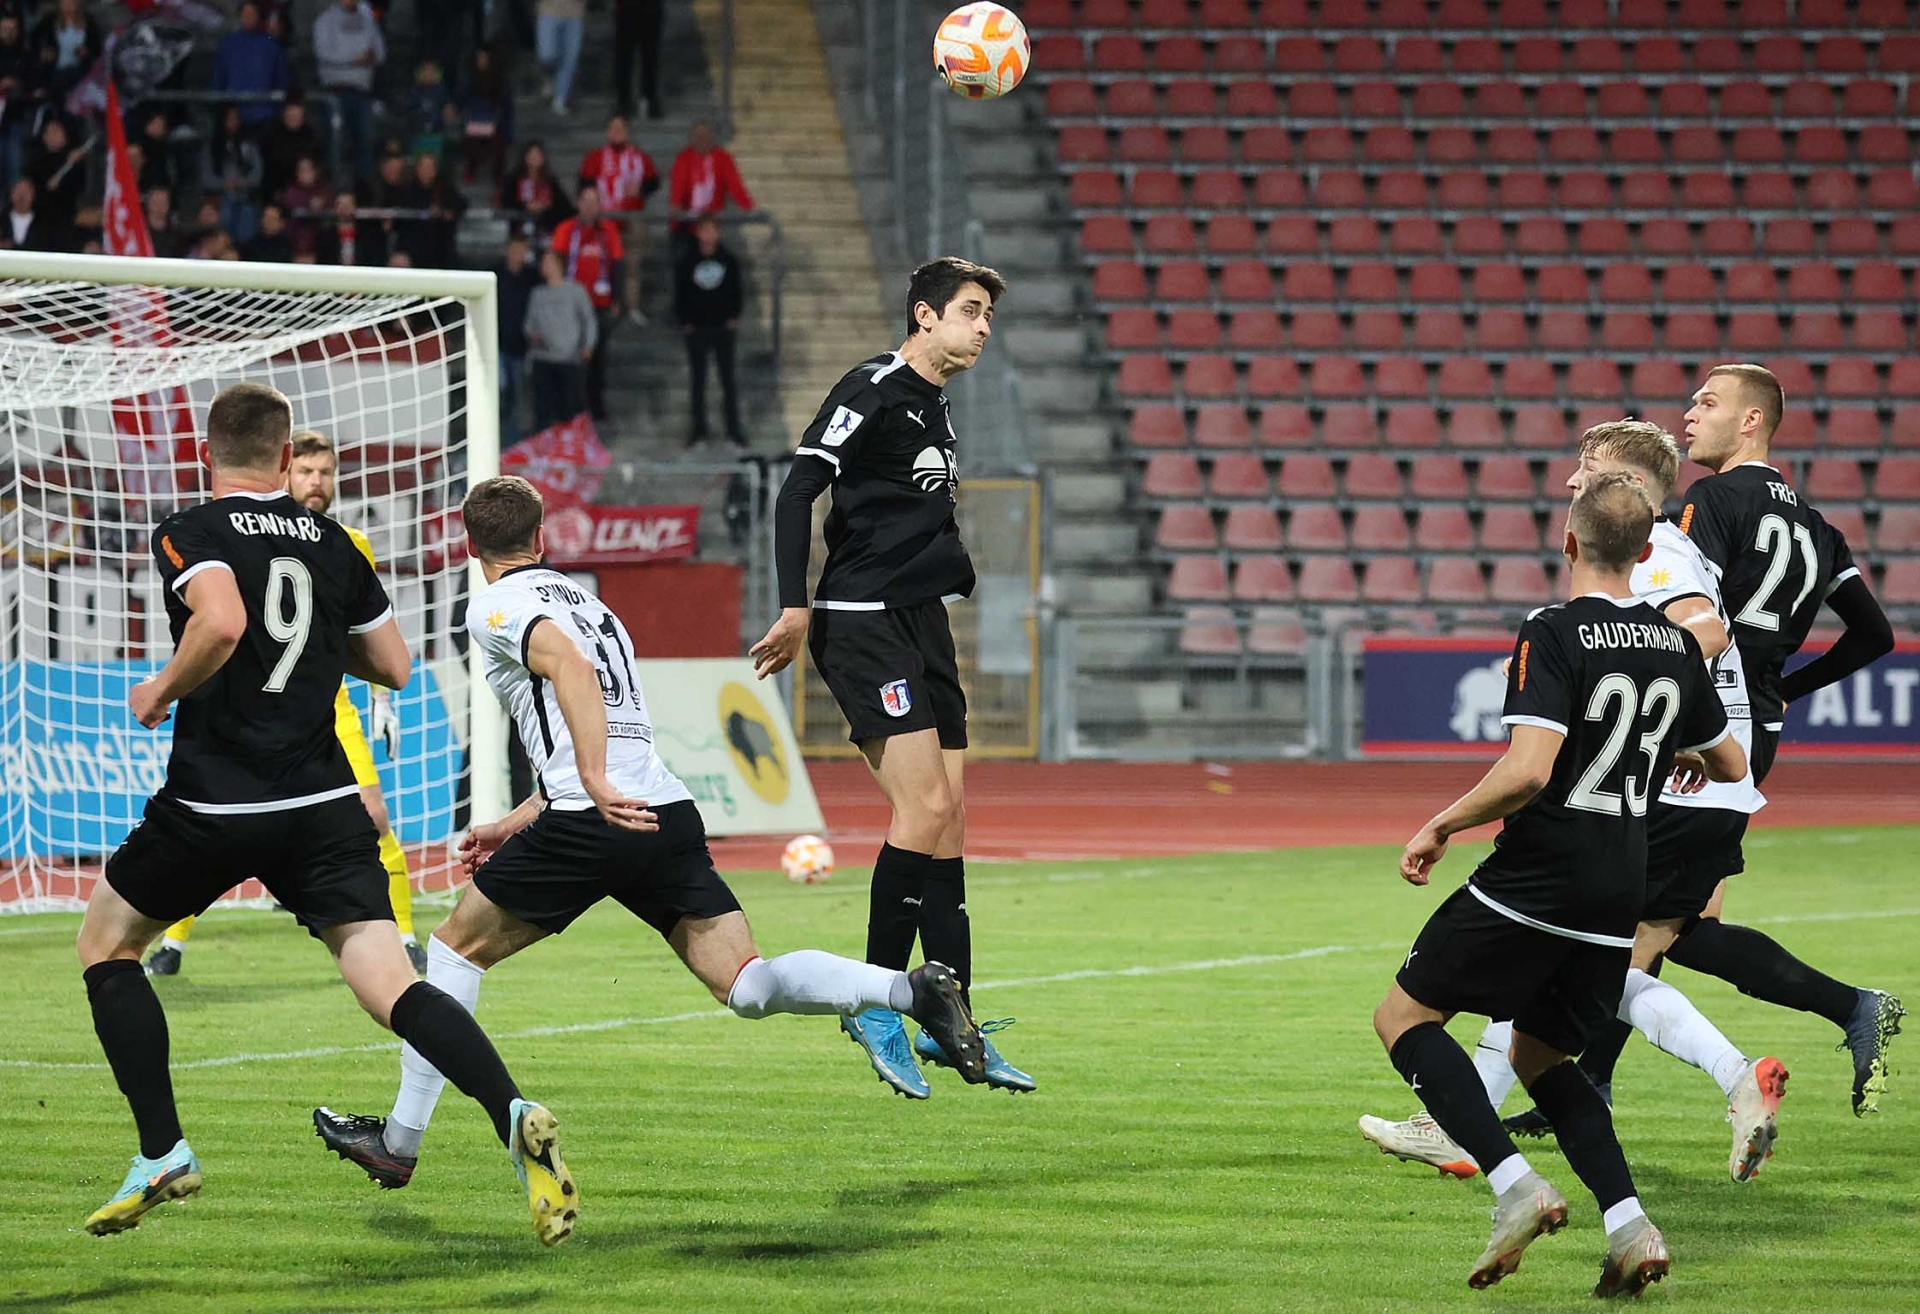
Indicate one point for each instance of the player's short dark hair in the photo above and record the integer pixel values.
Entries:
(1611, 519)
(502, 515)
(1758, 387)
(248, 424)
(1641, 444)
(311, 442)
(938, 281)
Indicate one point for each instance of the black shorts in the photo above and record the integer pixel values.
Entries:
(565, 862)
(1470, 959)
(892, 672)
(1689, 852)
(321, 861)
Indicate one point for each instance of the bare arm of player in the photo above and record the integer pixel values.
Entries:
(552, 656)
(1698, 616)
(1726, 761)
(380, 656)
(479, 843)
(211, 634)
(1522, 771)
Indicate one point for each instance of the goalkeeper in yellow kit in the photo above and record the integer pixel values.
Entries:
(310, 481)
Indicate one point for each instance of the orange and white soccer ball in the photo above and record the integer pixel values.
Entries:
(982, 50)
(808, 860)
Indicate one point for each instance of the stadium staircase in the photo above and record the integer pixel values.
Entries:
(1362, 271)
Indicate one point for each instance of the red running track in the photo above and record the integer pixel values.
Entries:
(1081, 810)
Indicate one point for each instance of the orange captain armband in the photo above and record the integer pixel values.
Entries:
(1686, 518)
(1521, 673)
(166, 546)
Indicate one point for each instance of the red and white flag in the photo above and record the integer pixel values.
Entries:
(566, 461)
(157, 459)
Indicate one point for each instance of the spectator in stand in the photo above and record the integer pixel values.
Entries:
(214, 244)
(21, 94)
(535, 191)
(206, 218)
(562, 334)
(449, 31)
(168, 241)
(707, 299)
(350, 240)
(560, 28)
(349, 47)
(486, 130)
(233, 171)
(434, 245)
(59, 173)
(428, 106)
(636, 30)
(515, 278)
(156, 139)
(305, 201)
(589, 243)
(705, 178)
(292, 137)
(271, 243)
(87, 230)
(66, 42)
(625, 177)
(24, 229)
(251, 60)
(389, 189)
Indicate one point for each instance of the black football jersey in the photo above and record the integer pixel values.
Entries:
(891, 535)
(1628, 688)
(258, 736)
(1778, 560)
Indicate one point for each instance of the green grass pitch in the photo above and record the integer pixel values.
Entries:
(1199, 1028)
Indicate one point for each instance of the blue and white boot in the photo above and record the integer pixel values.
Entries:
(882, 1033)
(150, 1182)
(1001, 1075)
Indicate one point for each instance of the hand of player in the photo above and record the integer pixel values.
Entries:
(148, 708)
(1423, 851)
(478, 844)
(386, 723)
(1689, 773)
(618, 810)
(781, 645)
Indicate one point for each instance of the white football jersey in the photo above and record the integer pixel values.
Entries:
(501, 618)
(1676, 570)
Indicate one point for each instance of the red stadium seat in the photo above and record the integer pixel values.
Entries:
(1819, 145)
(1434, 283)
(1526, 380)
(1379, 528)
(1348, 424)
(1238, 475)
(1327, 579)
(1510, 478)
(1509, 529)
(1072, 98)
(1606, 237)
(1753, 331)
(1692, 330)
(1695, 146)
(1479, 235)
(1132, 98)
(1478, 55)
(1630, 284)
(1852, 235)
(1843, 54)
(1791, 238)
(1171, 474)
(1897, 479)
(1190, 99)
(1192, 330)
(1519, 580)
(1209, 377)
(1231, 234)
(1688, 283)
(1540, 236)
(1373, 100)
(1900, 53)
(1221, 426)
(1336, 376)
(1901, 583)
(1561, 284)
(1665, 235)
(1655, 379)
(1306, 475)
(1312, 99)
(1239, 54)
(1456, 579)
(1853, 426)
(1418, 55)
(1905, 430)
(1401, 189)
(1252, 100)
(1358, 54)
(1117, 53)
(1903, 378)
(1353, 234)
(1292, 235)
(1899, 530)
(1717, 55)
(1463, 191)
(1370, 475)
(1391, 579)
(1903, 237)
(1251, 529)
(1132, 330)
(1437, 477)
(1562, 330)
(1813, 283)
(1377, 330)
(1443, 529)
(1373, 280)
(1816, 331)
(1228, 13)
(1850, 521)
(1747, 100)
(1878, 281)
(1893, 189)
(1832, 189)
(1285, 426)
(1524, 189)
(1106, 234)
(1339, 189)
(1438, 329)
(1475, 425)
(1156, 426)
(1399, 378)
(1598, 55)
(1806, 99)
(1512, 144)
(1415, 235)
(1255, 329)
(1206, 144)
(1682, 100)
(1626, 331)
(1278, 189)
(1299, 55)
(1727, 236)
(1411, 427)
(1181, 55)
(1156, 189)
(1767, 189)
(1883, 143)
(1276, 377)
(1104, 13)
(1276, 632)
(1246, 280)
(1853, 377)
(1210, 632)
(1751, 282)
(1185, 529)
(1539, 426)
(1867, 98)
(1262, 579)
(1317, 330)
(1835, 479)
(1795, 376)
(1632, 145)
(1145, 376)
(1465, 377)
(1120, 280)
(1061, 53)
(1181, 280)
(1316, 527)
(1593, 379)
(1451, 147)
(1197, 578)
(1094, 189)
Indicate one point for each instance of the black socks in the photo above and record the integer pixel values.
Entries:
(1584, 1128)
(133, 1031)
(1755, 964)
(946, 936)
(1446, 1081)
(893, 912)
(432, 1021)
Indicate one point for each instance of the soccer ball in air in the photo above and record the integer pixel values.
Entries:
(981, 50)
(808, 860)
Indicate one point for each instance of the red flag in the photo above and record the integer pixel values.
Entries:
(156, 430)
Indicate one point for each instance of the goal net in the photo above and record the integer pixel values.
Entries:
(106, 370)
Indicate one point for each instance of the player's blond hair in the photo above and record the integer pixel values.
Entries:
(1639, 443)
(502, 515)
(1611, 519)
(311, 442)
(1758, 387)
(247, 425)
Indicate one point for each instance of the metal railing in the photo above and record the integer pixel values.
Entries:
(319, 103)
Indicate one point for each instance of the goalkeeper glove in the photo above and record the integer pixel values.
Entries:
(386, 722)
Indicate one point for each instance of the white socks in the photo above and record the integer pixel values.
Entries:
(421, 1082)
(1668, 1019)
(814, 981)
(1509, 1170)
(1490, 1061)
(1622, 1214)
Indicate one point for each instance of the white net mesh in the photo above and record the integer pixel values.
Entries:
(102, 390)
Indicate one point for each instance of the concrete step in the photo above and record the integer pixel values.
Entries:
(999, 207)
(1095, 542)
(1033, 345)
(1088, 491)
(1040, 296)
(1060, 390)
(1012, 159)
(1105, 701)
(1077, 441)
(1116, 595)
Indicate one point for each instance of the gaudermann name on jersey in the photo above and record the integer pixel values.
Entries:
(1630, 634)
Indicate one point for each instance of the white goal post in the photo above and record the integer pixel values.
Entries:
(107, 365)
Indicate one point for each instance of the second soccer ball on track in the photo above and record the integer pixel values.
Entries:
(981, 50)
(808, 860)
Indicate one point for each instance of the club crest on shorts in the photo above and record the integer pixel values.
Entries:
(895, 698)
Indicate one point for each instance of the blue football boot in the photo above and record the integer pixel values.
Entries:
(150, 1182)
(883, 1035)
(1001, 1075)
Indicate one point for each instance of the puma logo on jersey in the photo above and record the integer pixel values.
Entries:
(915, 417)
(934, 468)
